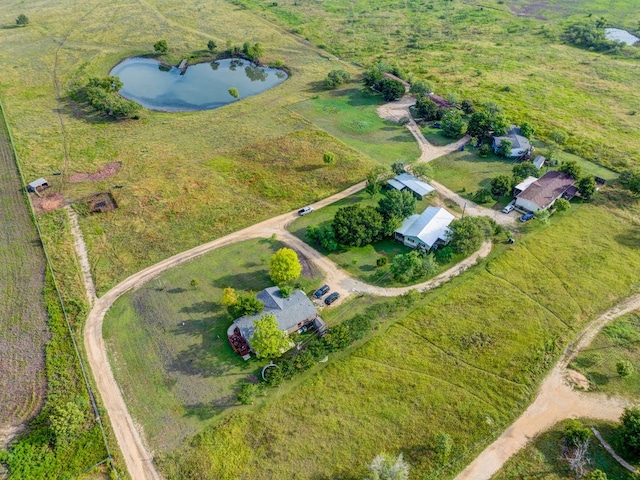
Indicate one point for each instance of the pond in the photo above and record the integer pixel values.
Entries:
(620, 35)
(203, 86)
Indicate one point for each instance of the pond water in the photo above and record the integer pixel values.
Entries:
(620, 35)
(203, 86)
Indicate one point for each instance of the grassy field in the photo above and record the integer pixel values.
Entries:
(477, 52)
(350, 115)
(360, 262)
(540, 459)
(182, 174)
(23, 325)
(618, 341)
(463, 360)
(168, 342)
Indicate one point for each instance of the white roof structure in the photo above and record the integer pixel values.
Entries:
(523, 185)
(406, 180)
(539, 161)
(428, 227)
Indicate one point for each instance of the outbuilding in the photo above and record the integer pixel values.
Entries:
(519, 144)
(38, 185)
(406, 181)
(425, 231)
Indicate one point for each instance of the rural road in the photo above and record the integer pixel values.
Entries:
(556, 401)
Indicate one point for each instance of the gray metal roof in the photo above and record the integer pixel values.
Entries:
(406, 180)
(428, 227)
(38, 183)
(515, 137)
(288, 311)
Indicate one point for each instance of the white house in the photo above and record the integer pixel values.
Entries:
(426, 230)
(519, 144)
(406, 181)
(544, 191)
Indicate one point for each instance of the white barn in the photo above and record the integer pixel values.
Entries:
(426, 230)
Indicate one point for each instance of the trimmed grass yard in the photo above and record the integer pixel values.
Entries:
(540, 460)
(168, 341)
(350, 115)
(360, 262)
(618, 341)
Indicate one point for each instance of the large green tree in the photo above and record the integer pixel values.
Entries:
(285, 266)
(501, 185)
(357, 226)
(631, 428)
(427, 109)
(396, 203)
(453, 125)
(467, 234)
(410, 266)
(391, 89)
(161, 46)
(504, 150)
(336, 77)
(571, 168)
(22, 20)
(268, 341)
(524, 170)
(587, 187)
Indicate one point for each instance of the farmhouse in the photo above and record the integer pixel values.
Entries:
(409, 182)
(407, 86)
(519, 144)
(292, 314)
(425, 231)
(38, 185)
(541, 194)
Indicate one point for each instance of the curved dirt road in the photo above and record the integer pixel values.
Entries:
(556, 401)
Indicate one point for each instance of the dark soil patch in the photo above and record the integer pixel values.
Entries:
(101, 202)
(47, 203)
(109, 170)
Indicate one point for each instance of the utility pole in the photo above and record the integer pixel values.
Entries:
(464, 208)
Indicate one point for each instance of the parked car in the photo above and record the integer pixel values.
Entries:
(321, 291)
(332, 298)
(509, 208)
(526, 217)
(305, 210)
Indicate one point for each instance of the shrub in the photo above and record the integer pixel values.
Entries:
(336, 77)
(444, 254)
(624, 368)
(575, 433)
(248, 393)
(562, 205)
(485, 149)
(382, 261)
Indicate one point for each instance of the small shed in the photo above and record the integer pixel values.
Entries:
(539, 161)
(38, 185)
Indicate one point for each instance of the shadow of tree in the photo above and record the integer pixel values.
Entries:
(177, 290)
(198, 307)
(631, 238)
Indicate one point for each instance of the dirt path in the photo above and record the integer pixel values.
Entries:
(81, 251)
(556, 401)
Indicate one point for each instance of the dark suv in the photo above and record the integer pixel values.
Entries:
(321, 291)
(332, 298)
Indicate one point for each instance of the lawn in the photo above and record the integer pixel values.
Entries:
(360, 262)
(168, 342)
(435, 137)
(467, 357)
(540, 459)
(350, 115)
(23, 325)
(618, 341)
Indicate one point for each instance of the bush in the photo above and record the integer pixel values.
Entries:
(485, 150)
(337, 77)
(562, 205)
(358, 326)
(444, 255)
(483, 196)
(248, 393)
(631, 428)
(382, 261)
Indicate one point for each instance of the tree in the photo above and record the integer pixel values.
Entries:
(22, 20)
(328, 158)
(233, 91)
(336, 77)
(285, 266)
(386, 467)
(374, 181)
(630, 428)
(101, 93)
(575, 433)
(624, 368)
(524, 170)
(268, 341)
(253, 52)
(229, 297)
(631, 179)
(571, 168)
(246, 304)
(398, 167)
(444, 254)
(410, 266)
(442, 447)
(561, 204)
(66, 421)
(423, 170)
(558, 136)
(357, 226)
(542, 216)
(453, 125)
(211, 45)
(161, 47)
(248, 393)
(587, 187)
(468, 107)
(427, 109)
(466, 234)
(527, 130)
(396, 203)
(194, 283)
(501, 185)
(391, 89)
(480, 124)
(596, 475)
(323, 236)
(504, 150)
(421, 88)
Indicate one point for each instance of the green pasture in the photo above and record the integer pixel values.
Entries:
(540, 459)
(350, 115)
(510, 53)
(618, 341)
